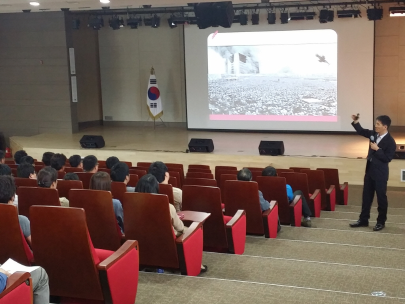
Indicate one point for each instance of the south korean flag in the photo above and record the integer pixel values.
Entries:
(153, 97)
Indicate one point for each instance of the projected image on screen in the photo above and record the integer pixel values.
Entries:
(284, 75)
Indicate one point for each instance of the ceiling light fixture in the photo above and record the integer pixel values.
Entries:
(326, 16)
(34, 3)
(397, 11)
(348, 13)
(302, 16)
(104, 1)
(243, 19)
(96, 23)
(133, 23)
(374, 13)
(255, 19)
(116, 23)
(271, 18)
(284, 18)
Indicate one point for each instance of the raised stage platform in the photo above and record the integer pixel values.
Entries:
(345, 152)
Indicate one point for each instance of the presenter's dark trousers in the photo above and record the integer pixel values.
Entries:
(378, 186)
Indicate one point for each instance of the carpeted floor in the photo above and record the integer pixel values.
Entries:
(331, 263)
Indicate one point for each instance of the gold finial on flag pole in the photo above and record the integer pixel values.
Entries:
(152, 71)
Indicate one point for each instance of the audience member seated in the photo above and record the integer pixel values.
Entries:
(26, 170)
(58, 162)
(18, 155)
(40, 284)
(306, 212)
(111, 161)
(149, 184)
(71, 176)
(120, 173)
(46, 158)
(159, 170)
(48, 178)
(5, 170)
(27, 160)
(75, 161)
(90, 164)
(246, 175)
(2, 157)
(102, 181)
(7, 195)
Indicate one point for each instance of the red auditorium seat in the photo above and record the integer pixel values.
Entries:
(64, 186)
(221, 172)
(78, 272)
(129, 164)
(221, 233)
(30, 196)
(279, 171)
(25, 182)
(102, 164)
(298, 169)
(138, 172)
(199, 170)
(143, 164)
(101, 222)
(118, 189)
(176, 174)
(332, 178)
(73, 169)
(241, 195)
(85, 178)
(316, 180)
(173, 181)
(200, 175)
(192, 166)
(61, 174)
(18, 289)
(274, 188)
(13, 243)
(167, 189)
(299, 181)
(133, 180)
(255, 174)
(180, 177)
(105, 170)
(200, 181)
(147, 219)
(222, 180)
(255, 169)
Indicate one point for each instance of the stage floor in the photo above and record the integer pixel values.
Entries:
(241, 149)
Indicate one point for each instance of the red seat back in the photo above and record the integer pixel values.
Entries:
(199, 170)
(133, 180)
(298, 169)
(85, 178)
(180, 176)
(30, 196)
(129, 164)
(200, 175)
(25, 182)
(207, 199)
(222, 180)
(275, 188)
(118, 189)
(255, 169)
(297, 181)
(62, 246)
(199, 167)
(73, 169)
(138, 172)
(102, 164)
(64, 187)
(255, 174)
(61, 174)
(221, 172)
(244, 195)
(316, 180)
(105, 170)
(167, 189)
(176, 175)
(18, 289)
(200, 181)
(143, 164)
(279, 171)
(147, 220)
(223, 168)
(13, 243)
(332, 178)
(100, 217)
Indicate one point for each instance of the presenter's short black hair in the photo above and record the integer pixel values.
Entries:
(385, 120)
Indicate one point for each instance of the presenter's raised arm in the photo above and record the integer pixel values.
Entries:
(359, 129)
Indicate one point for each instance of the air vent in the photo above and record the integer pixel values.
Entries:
(402, 175)
(108, 118)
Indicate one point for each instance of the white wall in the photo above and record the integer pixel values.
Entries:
(126, 57)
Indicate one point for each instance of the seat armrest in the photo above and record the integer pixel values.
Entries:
(189, 232)
(315, 194)
(330, 190)
(123, 250)
(13, 281)
(295, 200)
(273, 204)
(238, 215)
(345, 184)
(268, 211)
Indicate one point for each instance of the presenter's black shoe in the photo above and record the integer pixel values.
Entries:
(378, 227)
(359, 224)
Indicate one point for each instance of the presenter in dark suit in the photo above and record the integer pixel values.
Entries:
(380, 153)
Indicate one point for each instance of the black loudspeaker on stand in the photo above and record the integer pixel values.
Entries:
(201, 145)
(92, 142)
(271, 148)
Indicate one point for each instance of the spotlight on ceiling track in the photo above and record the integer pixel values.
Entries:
(397, 11)
(155, 21)
(243, 19)
(271, 18)
(96, 23)
(374, 13)
(326, 16)
(26, 11)
(302, 16)
(171, 22)
(284, 18)
(255, 18)
(348, 13)
(75, 23)
(116, 23)
(133, 23)
(176, 20)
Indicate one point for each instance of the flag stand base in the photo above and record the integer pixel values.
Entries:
(159, 124)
